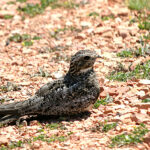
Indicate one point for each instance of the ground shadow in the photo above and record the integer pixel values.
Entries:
(50, 119)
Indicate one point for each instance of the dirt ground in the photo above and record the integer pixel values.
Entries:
(63, 32)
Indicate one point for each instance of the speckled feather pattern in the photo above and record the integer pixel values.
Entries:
(72, 94)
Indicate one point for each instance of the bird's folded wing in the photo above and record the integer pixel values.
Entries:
(65, 100)
(45, 89)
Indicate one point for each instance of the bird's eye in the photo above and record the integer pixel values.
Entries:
(86, 57)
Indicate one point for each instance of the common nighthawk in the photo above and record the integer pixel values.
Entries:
(76, 92)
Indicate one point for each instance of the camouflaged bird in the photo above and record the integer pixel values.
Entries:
(76, 92)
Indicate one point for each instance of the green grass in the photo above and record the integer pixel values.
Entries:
(11, 2)
(2, 125)
(13, 145)
(107, 127)
(144, 20)
(104, 18)
(54, 126)
(60, 57)
(104, 127)
(2, 100)
(55, 34)
(41, 137)
(45, 138)
(31, 9)
(25, 39)
(42, 73)
(143, 17)
(147, 100)
(16, 38)
(19, 38)
(136, 136)
(142, 50)
(69, 4)
(35, 9)
(147, 37)
(7, 16)
(138, 4)
(126, 53)
(21, 1)
(40, 130)
(104, 101)
(132, 21)
(140, 71)
(94, 14)
(27, 43)
(9, 87)
(144, 25)
(54, 49)
(36, 37)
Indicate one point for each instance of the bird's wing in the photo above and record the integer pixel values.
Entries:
(60, 100)
(13, 108)
(50, 86)
(63, 100)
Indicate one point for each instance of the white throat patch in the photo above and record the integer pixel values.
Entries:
(85, 70)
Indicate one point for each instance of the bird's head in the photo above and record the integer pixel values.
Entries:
(82, 61)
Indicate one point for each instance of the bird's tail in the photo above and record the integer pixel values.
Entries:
(8, 119)
(11, 112)
(11, 108)
(15, 108)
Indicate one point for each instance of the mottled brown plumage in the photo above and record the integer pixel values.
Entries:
(72, 94)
